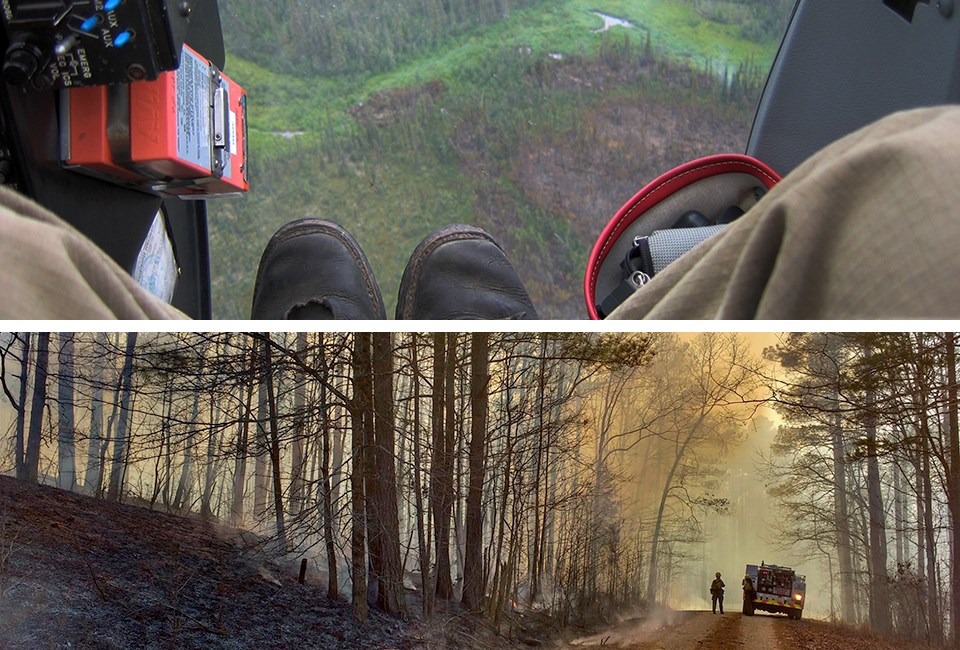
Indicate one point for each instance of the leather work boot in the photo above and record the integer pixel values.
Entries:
(313, 269)
(461, 273)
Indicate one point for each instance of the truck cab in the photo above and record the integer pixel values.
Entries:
(775, 589)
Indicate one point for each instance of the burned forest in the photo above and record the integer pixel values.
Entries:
(470, 490)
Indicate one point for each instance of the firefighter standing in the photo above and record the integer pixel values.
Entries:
(748, 594)
(716, 593)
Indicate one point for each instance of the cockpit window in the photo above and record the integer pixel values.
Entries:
(533, 119)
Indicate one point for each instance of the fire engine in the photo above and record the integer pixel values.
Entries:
(776, 589)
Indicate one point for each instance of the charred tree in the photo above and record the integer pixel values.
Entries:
(261, 478)
(274, 446)
(423, 542)
(920, 458)
(66, 443)
(183, 497)
(384, 524)
(359, 411)
(93, 469)
(830, 366)
(473, 582)
(326, 496)
(211, 469)
(299, 428)
(120, 434)
(953, 484)
(31, 464)
(879, 597)
(441, 467)
(541, 456)
(242, 443)
(20, 461)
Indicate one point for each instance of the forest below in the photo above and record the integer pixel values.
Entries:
(527, 118)
(573, 478)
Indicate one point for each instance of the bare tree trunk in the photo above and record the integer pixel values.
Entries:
(441, 469)
(953, 486)
(182, 501)
(212, 466)
(31, 468)
(363, 394)
(261, 480)
(120, 441)
(652, 577)
(386, 517)
(161, 468)
(536, 538)
(654, 564)
(20, 461)
(110, 432)
(921, 540)
(549, 515)
(898, 508)
(96, 414)
(299, 428)
(358, 412)
(444, 564)
(928, 542)
(508, 575)
(274, 447)
(473, 586)
(66, 443)
(842, 520)
(211, 469)
(333, 587)
(243, 444)
(499, 522)
(926, 546)
(426, 584)
(879, 596)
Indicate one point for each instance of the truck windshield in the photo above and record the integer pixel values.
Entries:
(533, 119)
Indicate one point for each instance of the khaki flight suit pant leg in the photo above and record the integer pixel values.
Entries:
(867, 228)
(49, 270)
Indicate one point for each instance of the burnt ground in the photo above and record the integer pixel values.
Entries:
(76, 572)
(634, 143)
(584, 172)
(79, 572)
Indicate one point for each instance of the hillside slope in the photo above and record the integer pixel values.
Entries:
(76, 572)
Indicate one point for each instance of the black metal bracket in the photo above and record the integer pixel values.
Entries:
(905, 8)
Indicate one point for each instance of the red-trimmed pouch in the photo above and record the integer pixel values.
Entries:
(683, 204)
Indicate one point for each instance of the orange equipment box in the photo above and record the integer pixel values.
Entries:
(183, 134)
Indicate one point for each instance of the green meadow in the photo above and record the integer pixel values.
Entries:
(523, 118)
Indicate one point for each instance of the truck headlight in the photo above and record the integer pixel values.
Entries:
(798, 597)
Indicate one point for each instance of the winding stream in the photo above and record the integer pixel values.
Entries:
(611, 21)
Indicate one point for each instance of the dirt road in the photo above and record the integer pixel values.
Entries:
(690, 629)
(702, 630)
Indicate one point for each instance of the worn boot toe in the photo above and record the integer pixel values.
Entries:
(313, 269)
(460, 272)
